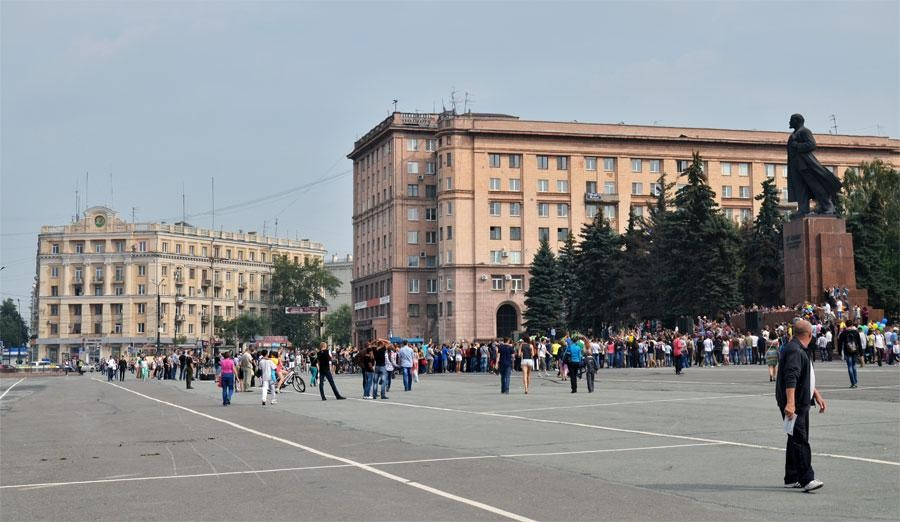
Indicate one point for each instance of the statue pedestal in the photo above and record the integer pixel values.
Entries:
(818, 254)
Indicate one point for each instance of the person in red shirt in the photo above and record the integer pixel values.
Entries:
(227, 378)
(677, 350)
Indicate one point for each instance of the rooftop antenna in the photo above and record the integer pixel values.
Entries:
(453, 99)
(132, 215)
(468, 101)
(395, 104)
(183, 206)
(77, 204)
(213, 191)
(276, 228)
(264, 228)
(877, 130)
(834, 124)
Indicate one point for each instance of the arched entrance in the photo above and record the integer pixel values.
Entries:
(507, 320)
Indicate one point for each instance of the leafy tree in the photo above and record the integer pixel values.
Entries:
(598, 275)
(762, 277)
(568, 281)
(300, 284)
(871, 201)
(338, 324)
(543, 299)
(243, 328)
(701, 248)
(13, 331)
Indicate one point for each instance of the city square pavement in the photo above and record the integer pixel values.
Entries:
(647, 445)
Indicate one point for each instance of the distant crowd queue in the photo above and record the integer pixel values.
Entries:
(711, 343)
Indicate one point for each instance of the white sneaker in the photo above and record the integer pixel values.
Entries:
(813, 485)
(365, 397)
(793, 486)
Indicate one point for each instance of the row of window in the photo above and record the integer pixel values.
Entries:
(514, 161)
(431, 310)
(141, 246)
(515, 209)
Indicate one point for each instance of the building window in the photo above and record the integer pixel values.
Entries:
(449, 232)
(412, 237)
(515, 184)
(745, 214)
(412, 310)
(412, 145)
(637, 211)
(448, 257)
(430, 237)
(430, 146)
(515, 209)
(79, 248)
(515, 233)
(637, 189)
(430, 261)
(517, 283)
(562, 185)
(609, 187)
(682, 165)
(430, 168)
(495, 233)
(494, 184)
(449, 208)
(770, 170)
(449, 159)
(412, 286)
(726, 191)
(412, 214)
(449, 284)
(543, 162)
(142, 289)
(165, 246)
(543, 209)
(515, 161)
(142, 246)
(562, 234)
(590, 210)
(494, 161)
(726, 169)
(562, 210)
(99, 247)
(515, 257)
(494, 208)
(449, 183)
(543, 234)
(54, 271)
(178, 251)
(744, 192)
(609, 164)
(497, 282)
(743, 169)
(543, 185)
(412, 167)
(140, 328)
(432, 287)
(496, 257)
(430, 191)
(590, 163)
(655, 165)
(784, 171)
(430, 214)
(54, 291)
(54, 248)
(562, 163)
(412, 190)
(636, 165)
(412, 261)
(449, 308)
(655, 189)
(590, 187)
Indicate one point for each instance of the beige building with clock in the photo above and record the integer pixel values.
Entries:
(98, 278)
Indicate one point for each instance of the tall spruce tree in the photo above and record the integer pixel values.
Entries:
(568, 281)
(598, 276)
(635, 299)
(701, 249)
(543, 299)
(762, 277)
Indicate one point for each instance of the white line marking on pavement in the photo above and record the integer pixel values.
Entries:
(636, 432)
(631, 402)
(364, 467)
(130, 478)
(166, 477)
(11, 387)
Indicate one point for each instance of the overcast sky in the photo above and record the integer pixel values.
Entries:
(269, 96)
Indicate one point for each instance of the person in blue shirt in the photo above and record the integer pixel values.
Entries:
(575, 351)
(504, 364)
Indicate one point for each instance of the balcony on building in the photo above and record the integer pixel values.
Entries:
(180, 298)
(242, 286)
(218, 282)
(98, 278)
(597, 197)
(204, 318)
(179, 318)
(206, 283)
(179, 279)
(240, 303)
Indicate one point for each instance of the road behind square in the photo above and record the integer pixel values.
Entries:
(647, 445)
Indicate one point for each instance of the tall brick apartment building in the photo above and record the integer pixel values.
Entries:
(448, 210)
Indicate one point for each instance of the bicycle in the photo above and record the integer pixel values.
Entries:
(294, 379)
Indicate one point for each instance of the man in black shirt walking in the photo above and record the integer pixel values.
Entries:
(504, 364)
(323, 359)
(795, 391)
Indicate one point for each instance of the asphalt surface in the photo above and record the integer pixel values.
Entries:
(647, 445)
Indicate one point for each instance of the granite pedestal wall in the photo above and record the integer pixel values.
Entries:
(818, 254)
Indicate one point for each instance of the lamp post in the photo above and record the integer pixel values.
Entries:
(158, 313)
